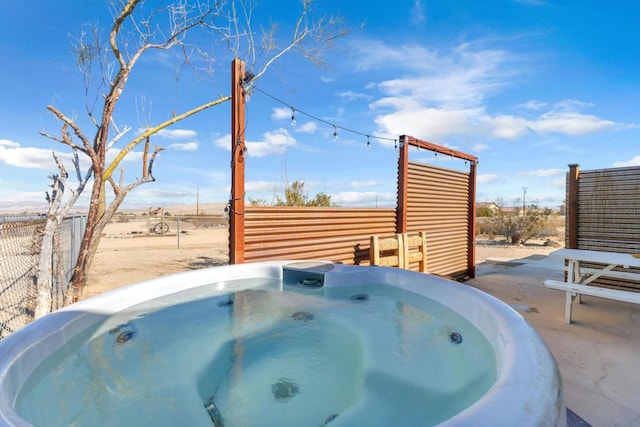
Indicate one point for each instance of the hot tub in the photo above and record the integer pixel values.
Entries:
(285, 343)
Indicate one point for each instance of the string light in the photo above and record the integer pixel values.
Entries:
(368, 143)
(395, 144)
(335, 127)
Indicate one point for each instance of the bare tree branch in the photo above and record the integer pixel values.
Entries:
(121, 155)
(118, 136)
(76, 129)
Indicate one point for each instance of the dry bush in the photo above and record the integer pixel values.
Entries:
(206, 221)
(122, 218)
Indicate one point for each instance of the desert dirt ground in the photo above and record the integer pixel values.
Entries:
(129, 253)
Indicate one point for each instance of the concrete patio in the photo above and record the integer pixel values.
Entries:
(596, 354)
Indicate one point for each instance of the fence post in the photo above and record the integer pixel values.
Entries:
(403, 185)
(178, 231)
(238, 152)
(572, 207)
(471, 247)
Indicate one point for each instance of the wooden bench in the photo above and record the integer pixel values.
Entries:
(579, 279)
(400, 251)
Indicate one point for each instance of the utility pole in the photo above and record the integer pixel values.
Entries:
(238, 156)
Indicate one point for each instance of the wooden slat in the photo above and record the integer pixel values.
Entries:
(335, 234)
(437, 203)
(609, 215)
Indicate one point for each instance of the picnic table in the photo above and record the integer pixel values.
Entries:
(579, 278)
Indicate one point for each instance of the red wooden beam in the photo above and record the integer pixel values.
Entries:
(438, 148)
(572, 207)
(471, 242)
(403, 185)
(238, 150)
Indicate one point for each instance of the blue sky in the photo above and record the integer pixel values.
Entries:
(528, 86)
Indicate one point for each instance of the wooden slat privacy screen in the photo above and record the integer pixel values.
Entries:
(431, 199)
(437, 202)
(336, 234)
(607, 212)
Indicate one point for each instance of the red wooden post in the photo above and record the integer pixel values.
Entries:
(403, 185)
(238, 148)
(471, 248)
(572, 207)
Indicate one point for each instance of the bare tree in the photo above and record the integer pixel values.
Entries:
(107, 64)
(57, 210)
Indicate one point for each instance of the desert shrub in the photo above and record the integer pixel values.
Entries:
(295, 195)
(484, 226)
(485, 212)
(258, 202)
(520, 228)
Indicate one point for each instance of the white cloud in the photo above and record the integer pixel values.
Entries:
(223, 142)
(260, 186)
(429, 123)
(558, 183)
(327, 79)
(185, 146)
(542, 172)
(460, 78)
(13, 154)
(479, 147)
(570, 123)
(354, 96)
(8, 144)
(534, 105)
(366, 198)
(571, 105)
(488, 179)
(411, 117)
(445, 93)
(177, 134)
(308, 127)
(635, 161)
(280, 113)
(364, 184)
(505, 127)
(274, 142)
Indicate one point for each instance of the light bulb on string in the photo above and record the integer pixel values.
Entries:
(368, 143)
(335, 133)
(395, 144)
(245, 151)
(293, 116)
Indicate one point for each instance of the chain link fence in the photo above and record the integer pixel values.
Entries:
(20, 242)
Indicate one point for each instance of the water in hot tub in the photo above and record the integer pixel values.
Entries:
(373, 355)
